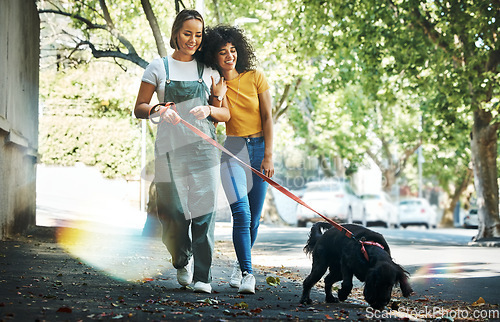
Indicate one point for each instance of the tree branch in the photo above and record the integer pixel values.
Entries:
(107, 16)
(433, 34)
(387, 152)
(177, 6)
(217, 11)
(493, 60)
(132, 57)
(115, 32)
(406, 155)
(279, 110)
(153, 23)
(109, 27)
(87, 22)
(284, 95)
(375, 159)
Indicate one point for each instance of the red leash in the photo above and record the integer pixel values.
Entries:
(263, 176)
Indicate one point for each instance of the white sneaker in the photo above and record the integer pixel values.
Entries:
(185, 274)
(235, 280)
(200, 287)
(247, 284)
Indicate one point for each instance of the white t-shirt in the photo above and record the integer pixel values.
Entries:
(178, 71)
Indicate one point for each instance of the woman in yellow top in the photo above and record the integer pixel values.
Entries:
(249, 136)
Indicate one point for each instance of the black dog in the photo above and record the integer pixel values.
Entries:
(332, 249)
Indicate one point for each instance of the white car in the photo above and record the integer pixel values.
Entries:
(416, 211)
(379, 210)
(334, 199)
(471, 220)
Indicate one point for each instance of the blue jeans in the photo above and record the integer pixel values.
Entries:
(245, 192)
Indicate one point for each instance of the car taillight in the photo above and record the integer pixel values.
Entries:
(340, 195)
(422, 210)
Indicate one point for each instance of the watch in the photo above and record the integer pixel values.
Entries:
(219, 98)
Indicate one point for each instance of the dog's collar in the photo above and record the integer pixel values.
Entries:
(371, 243)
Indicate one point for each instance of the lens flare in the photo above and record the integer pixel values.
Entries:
(118, 253)
(453, 270)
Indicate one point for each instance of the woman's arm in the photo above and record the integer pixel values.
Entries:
(267, 127)
(142, 107)
(219, 110)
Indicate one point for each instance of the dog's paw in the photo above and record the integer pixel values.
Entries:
(342, 295)
(305, 301)
(331, 299)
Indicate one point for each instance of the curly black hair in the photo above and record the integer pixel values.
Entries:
(217, 37)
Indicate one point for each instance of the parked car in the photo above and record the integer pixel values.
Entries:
(471, 220)
(334, 199)
(379, 210)
(416, 211)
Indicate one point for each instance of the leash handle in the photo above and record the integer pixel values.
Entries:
(157, 116)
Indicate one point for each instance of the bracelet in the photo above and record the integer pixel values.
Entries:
(151, 110)
(210, 109)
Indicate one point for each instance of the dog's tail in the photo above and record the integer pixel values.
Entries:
(316, 232)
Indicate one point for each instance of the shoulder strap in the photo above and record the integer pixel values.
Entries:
(165, 63)
(201, 68)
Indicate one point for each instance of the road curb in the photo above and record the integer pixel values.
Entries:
(485, 243)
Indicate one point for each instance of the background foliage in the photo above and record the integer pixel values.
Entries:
(350, 80)
(86, 117)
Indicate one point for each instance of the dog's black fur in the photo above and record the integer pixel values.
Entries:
(331, 248)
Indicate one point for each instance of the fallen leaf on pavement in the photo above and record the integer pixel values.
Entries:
(273, 281)
(242, 305)
(479, 302)
(65, 309)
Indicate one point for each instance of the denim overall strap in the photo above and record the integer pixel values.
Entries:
(200, 77)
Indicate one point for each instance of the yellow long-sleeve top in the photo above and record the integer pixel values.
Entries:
(243, 96)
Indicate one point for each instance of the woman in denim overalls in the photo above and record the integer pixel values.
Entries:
(186, 167)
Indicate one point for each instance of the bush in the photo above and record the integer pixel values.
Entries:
(111, 144)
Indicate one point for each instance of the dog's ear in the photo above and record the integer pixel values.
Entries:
(404, 284)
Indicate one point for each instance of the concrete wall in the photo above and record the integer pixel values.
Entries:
(19, 58)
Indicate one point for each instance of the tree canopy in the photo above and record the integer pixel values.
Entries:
(351, 79)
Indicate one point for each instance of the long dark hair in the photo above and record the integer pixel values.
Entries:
(184, 15)
(219, 36)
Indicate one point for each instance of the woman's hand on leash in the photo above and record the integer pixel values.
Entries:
(267, 167)
(201, 112)
(170, 116)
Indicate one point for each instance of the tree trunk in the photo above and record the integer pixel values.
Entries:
(447, 220)
(389, 179)
(325, 166)
(270, 214)
(484, 157)
(339, 167)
